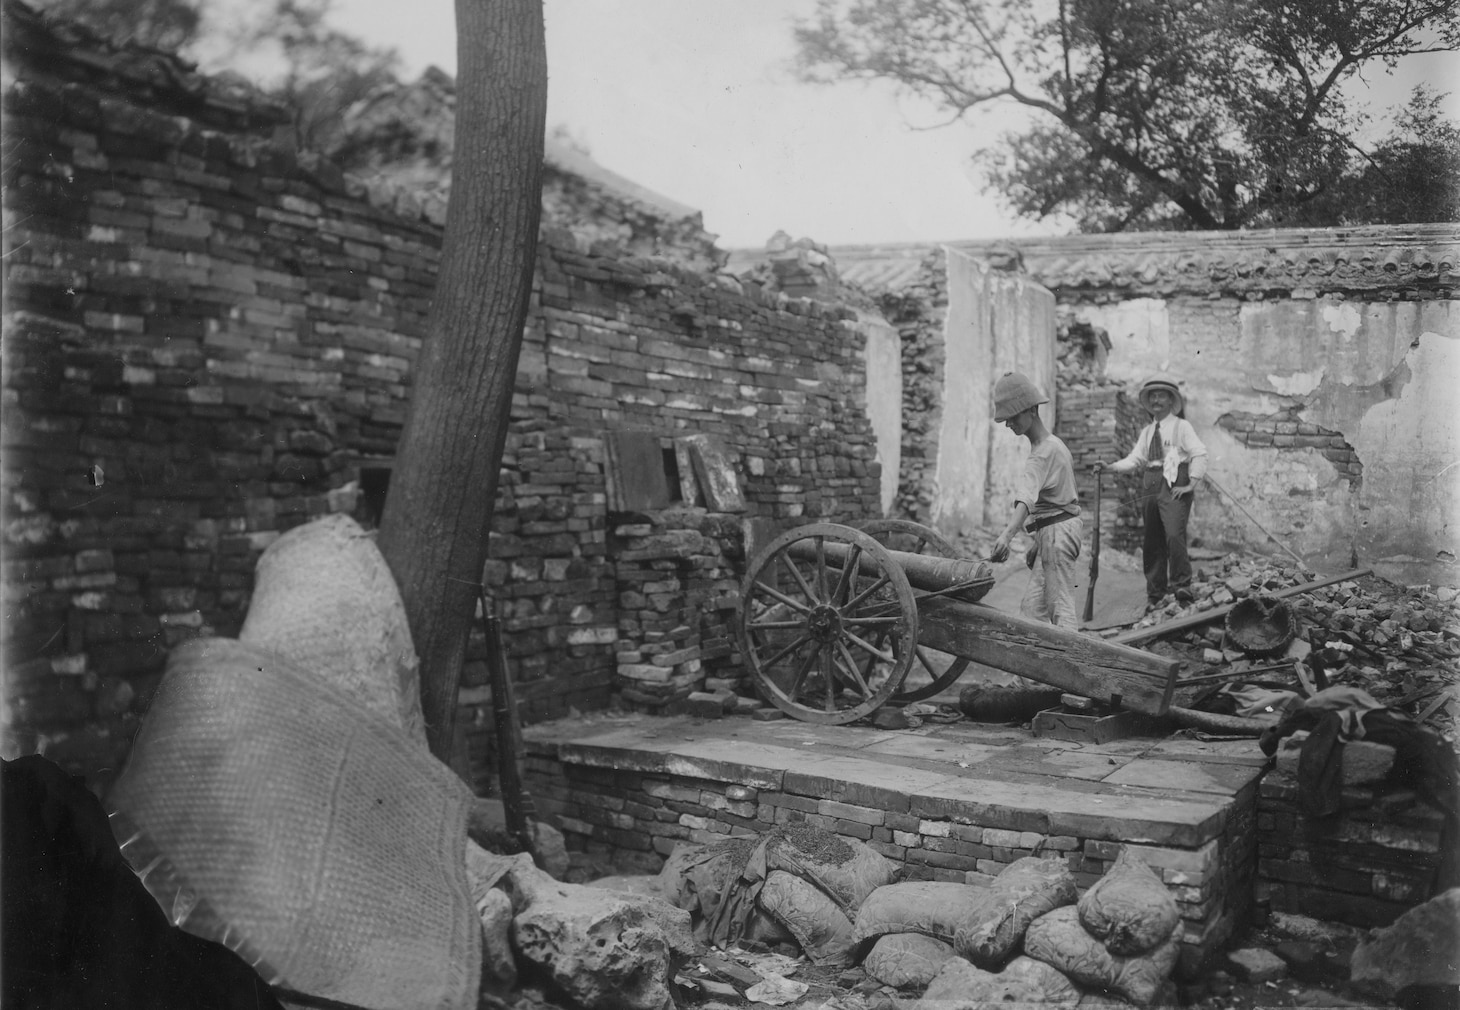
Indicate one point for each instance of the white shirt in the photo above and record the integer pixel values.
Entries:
(1181, 445)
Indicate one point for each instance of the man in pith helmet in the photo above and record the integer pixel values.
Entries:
(1171, 460)
(1046, 505)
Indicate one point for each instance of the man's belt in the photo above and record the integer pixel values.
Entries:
(1049, 520)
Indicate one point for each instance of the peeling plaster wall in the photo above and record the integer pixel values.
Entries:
(884, 398)
(996, 323)
(1382, 375)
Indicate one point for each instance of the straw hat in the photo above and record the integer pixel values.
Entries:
(1161, 382)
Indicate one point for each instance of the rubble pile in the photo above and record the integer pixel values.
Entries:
(1401, 644)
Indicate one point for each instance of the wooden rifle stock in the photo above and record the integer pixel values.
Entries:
(1094, 555)
(517, 807)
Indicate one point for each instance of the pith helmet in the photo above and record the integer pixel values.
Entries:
(1165, 384)
(1014, 394)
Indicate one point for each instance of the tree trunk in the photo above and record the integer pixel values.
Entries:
(433, 532)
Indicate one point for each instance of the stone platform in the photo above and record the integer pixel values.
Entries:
(957, 801)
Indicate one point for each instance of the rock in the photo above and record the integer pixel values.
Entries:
(498, 964)
(1254, 964)
(1301, 927)
(1418, 949)
(1310, 962)
(1324, 998)
(606, 950)
(704, 705)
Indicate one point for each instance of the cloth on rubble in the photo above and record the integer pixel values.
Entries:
(1249, 700)
(79, 928)
(325, 843)
(1423, 761)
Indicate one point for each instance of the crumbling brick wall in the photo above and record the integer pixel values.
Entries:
(209, 341)
(917, 311)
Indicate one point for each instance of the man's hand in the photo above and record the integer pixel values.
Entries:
(1001, 547)
(1097, 466)
(1182, 490)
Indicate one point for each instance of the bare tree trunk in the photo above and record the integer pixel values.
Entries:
(434, 529)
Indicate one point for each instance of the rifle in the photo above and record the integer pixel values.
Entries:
(517, 806)
(1094, 555)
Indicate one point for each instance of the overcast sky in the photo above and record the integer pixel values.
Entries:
(696, 99)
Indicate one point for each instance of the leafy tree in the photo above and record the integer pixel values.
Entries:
(1210, 114)
(159, 24)
(439, 506)
(1412, 175)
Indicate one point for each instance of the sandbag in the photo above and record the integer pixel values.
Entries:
(846, 869)
(1046, 979)
(906, 960)
(1058, 939)
(962, 986)
(990, 934)
(1129, 908)
(813, 918)
(931, 907)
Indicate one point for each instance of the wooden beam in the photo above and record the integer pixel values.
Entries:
(1207, 616)
(1079, 664)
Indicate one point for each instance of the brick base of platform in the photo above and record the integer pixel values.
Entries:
(1366, 866)
(632, 805)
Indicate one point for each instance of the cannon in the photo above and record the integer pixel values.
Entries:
(832, 618)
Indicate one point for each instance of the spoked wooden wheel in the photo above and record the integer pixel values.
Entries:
(827, 623)
(915, 538)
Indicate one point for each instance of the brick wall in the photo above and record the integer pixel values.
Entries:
(917, 311)
(1365, 866)
(209, 341)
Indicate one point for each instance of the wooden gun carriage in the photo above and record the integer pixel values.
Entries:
(833, 618)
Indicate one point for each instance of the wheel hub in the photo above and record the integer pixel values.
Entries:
(824, 624)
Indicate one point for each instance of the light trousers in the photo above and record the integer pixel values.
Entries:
(1051, 593)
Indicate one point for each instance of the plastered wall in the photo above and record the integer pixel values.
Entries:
(1332, 420)
(996, 322)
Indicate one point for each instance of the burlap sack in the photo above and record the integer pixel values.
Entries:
(1027, 888)
(1129, 908)
(931, 907)
(1058, 939)
(907, 960)
(308, 833)
(325, 600)
(813, 918)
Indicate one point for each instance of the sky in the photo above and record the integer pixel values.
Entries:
(696, 99)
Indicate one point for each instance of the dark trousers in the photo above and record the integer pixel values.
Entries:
(1164, 549)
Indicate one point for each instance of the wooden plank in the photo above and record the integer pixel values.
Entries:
(1079, 664)
(1207, 616)
(636, 479)
(715, 467)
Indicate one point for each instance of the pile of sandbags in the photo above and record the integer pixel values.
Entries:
(797, 883)
(1120, 938)
(1024, 938)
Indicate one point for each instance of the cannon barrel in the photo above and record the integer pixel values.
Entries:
(924, 571)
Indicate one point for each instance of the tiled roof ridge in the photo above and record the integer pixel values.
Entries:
(70, 49)
(1359, 257)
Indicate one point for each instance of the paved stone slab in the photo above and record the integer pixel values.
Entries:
(1184, 776)
(932, 748)
(1080, 764)
(1239, 752)
(862, 782)
(1114, 814)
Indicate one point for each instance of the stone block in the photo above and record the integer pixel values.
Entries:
(1254, 964)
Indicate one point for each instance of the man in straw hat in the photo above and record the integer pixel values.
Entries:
(1046, 505)
(1171, 460)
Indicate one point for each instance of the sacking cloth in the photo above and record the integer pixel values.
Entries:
(307, 832)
